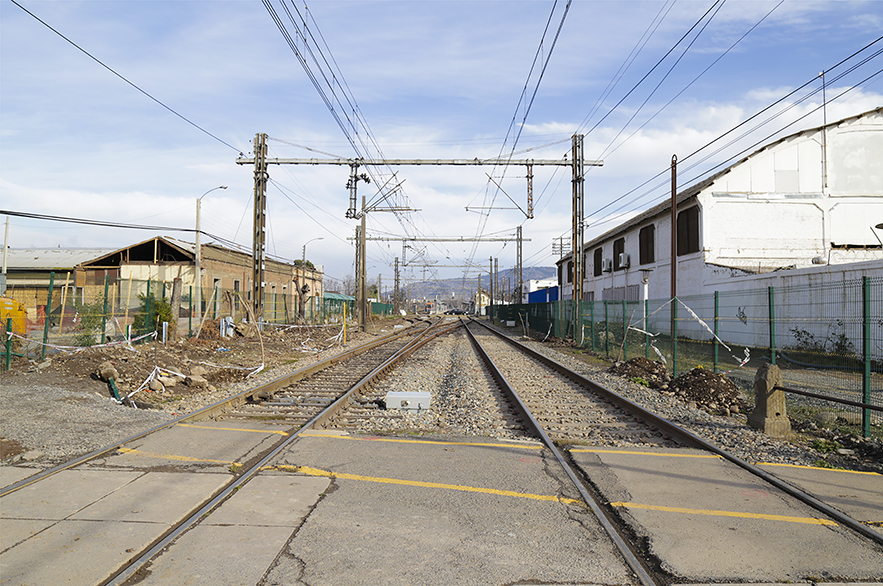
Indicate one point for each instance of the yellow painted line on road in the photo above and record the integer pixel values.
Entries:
(232, 428)
(815, 468)
(317, 472)
(438, 443)
(594, 451)
(173, 457)
(806, 520)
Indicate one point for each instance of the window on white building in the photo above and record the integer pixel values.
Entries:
(618, 249)
(647, 244)
(688, 231)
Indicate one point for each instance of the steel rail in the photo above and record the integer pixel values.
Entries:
(628, 555)
(209, 411)
(412, 346)
(829, 398)
(132, 567)
(689, 438)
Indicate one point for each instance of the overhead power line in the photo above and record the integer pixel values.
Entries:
(119, 75)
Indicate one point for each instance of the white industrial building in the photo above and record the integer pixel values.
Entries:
(800, 210)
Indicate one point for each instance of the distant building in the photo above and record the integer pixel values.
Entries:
(30, 270)
(80, 276)
(804, 206)
(163, 259)
(534, 285)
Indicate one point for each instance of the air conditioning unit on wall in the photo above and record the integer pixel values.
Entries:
(606, 265)
(623, 260)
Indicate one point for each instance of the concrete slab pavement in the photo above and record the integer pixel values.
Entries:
(238, 542)
(417, 511)
(78, 526)
(11, 474)
(858, 494)
(207, 446)
(708, 520)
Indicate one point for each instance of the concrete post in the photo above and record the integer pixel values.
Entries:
(769, 405)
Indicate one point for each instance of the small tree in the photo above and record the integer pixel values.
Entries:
(89, 319)
(153, 312)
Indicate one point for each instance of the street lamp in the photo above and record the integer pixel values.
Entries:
(198, 275)
(303, 280)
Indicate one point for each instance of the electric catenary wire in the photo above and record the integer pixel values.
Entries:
(119, 75)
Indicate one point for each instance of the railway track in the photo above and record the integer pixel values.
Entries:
(535, 397)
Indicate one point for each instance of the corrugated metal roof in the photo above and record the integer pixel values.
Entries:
(51, 258)
(338, 296)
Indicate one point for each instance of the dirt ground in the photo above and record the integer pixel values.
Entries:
(712, 392)
(220, 361)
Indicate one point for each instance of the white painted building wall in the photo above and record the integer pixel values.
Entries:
(790, 205)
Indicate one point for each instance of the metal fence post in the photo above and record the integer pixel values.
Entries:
(48, 315)
(674, 338)
(606, 328)
(8, 343)
(104, 312)
(592, 324)
(772, 312)
(647, 329)
(190, 313)
(148, 322)
(866, 347)
(716, 329)
(625, 333)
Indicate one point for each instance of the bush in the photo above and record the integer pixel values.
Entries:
(158, 311)
(89, 319)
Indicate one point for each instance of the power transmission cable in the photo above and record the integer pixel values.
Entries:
(747, 120)
(630, 59)
(646, 75)
(664, 77)
(91, 222)
(88, 54)
(695, 79)
(482, 223)
(737, 155)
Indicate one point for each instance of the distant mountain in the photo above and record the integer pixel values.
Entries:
(461, 290)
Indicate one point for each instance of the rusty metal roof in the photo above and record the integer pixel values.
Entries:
(48, 259)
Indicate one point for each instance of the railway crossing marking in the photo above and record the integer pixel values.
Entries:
(807, 520)
(815, 468)
(317, 472)
(232, 428)
(437, 443)
(594, 451)
(174, 457)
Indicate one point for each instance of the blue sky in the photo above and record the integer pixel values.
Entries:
(431, 79)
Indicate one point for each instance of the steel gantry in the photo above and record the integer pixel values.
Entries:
(260, 161)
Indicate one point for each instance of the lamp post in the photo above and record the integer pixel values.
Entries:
(303, 280)
(198, 261)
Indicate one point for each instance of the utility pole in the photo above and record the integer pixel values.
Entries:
(674, 257)
(491, 285)
(497, 288)
(363, 275)
(519, 268)
(260, 219)
(396, 295)
(478, 297)
(197, 259)
(358, 262)
(578, 203)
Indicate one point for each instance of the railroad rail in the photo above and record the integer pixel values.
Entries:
(541, 398)
(251, 396)
(662, 426)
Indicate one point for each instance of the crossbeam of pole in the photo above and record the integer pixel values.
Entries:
(402, 162)
(451, 239)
